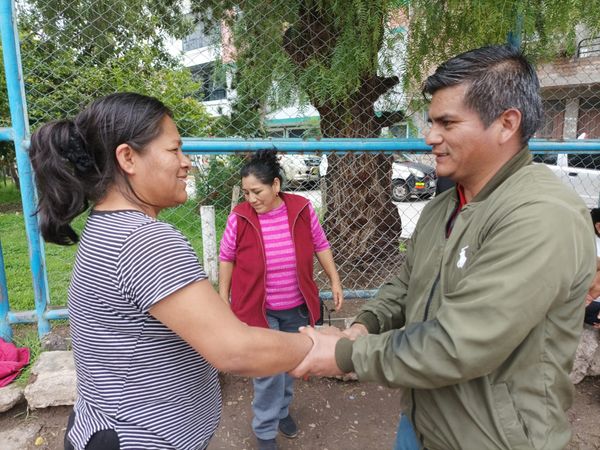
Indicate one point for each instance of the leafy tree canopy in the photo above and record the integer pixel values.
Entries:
(324, 50)
(439, 30)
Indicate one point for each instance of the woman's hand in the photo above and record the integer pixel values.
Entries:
(338, 294)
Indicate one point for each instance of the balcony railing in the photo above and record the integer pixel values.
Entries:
(588, 47)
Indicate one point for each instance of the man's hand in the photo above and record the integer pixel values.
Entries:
(320, 361)
(594, 291)
(356, 330)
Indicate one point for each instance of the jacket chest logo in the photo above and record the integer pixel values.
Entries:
(462, 257)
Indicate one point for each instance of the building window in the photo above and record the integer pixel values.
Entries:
(200, 38)
(589, 118)
(554, 120)
(213, 85)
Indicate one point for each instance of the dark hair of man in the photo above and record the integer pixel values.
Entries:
(595, 213)
(75, 163)
(264, 165)
(497, 78)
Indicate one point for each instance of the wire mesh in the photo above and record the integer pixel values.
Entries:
(282, 70)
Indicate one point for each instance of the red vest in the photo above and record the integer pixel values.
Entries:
(248, 293)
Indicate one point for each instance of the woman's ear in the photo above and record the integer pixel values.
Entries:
(126, 158)
(276, 185)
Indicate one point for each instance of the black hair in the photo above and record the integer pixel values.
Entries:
(595, 213)
(74, 161)
(497, 78)
(264, 165)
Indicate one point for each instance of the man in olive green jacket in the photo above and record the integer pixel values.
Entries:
(482, 323)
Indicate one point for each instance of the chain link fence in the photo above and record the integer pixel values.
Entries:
(281, 70)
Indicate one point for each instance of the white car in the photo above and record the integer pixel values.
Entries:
(412, 178)
(580, 171)
(300, 170)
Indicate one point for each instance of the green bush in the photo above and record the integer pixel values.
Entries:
(215, 179)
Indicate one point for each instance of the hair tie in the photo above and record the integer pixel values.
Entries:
(76, 152)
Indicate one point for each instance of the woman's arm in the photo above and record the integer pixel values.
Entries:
(325, 258)
(225, 274)
(199, 316)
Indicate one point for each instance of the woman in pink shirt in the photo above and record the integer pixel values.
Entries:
(266, 274)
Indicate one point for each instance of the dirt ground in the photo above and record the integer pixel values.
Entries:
(331, 415)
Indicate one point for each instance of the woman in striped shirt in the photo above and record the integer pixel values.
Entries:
(266, 268)
(148, 330)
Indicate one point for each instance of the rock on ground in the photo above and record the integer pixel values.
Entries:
(19, 437)
(9, 396)
(587, 358)
(53, 380)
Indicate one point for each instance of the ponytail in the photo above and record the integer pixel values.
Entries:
(60, 161)
(74, 160)
(264, 165)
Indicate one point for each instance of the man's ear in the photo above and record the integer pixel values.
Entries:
(510, 125)
(126, 158)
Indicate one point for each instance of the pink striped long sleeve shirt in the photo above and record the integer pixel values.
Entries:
(282, 287)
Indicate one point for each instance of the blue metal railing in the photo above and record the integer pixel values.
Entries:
(19, 134)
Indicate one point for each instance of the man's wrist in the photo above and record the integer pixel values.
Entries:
(369, 320)
(343, 355)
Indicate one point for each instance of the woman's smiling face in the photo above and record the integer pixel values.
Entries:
(262, 197)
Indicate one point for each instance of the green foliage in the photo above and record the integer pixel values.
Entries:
(439, 30)
(60, 259)
(105, 29)
(279, 61)
(215, 179)
(27, 336)
(75, 52)
(315, 51)
(9, 196)
(65, 83)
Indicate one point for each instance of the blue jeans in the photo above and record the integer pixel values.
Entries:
(273, 395)
(406, 438)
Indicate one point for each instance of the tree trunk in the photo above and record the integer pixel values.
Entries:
(362, 223)
(15, 175)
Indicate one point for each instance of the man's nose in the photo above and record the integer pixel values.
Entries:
(432, 136)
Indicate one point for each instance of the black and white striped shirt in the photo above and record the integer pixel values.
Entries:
(134, 375)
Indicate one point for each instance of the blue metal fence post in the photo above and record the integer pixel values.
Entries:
(5, 329)
(20, 126)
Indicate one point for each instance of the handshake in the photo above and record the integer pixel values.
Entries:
(320, 360)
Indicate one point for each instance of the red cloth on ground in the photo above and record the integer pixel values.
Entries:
(12, 360)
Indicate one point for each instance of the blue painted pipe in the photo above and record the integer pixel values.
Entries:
(350, 294)
(5, 329)
(342, 145)
(21, 317)
(18, 114)
(6, 134)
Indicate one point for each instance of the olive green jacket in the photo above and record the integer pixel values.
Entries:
(492, 315)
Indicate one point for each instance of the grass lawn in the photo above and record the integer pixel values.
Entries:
(59, 259)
